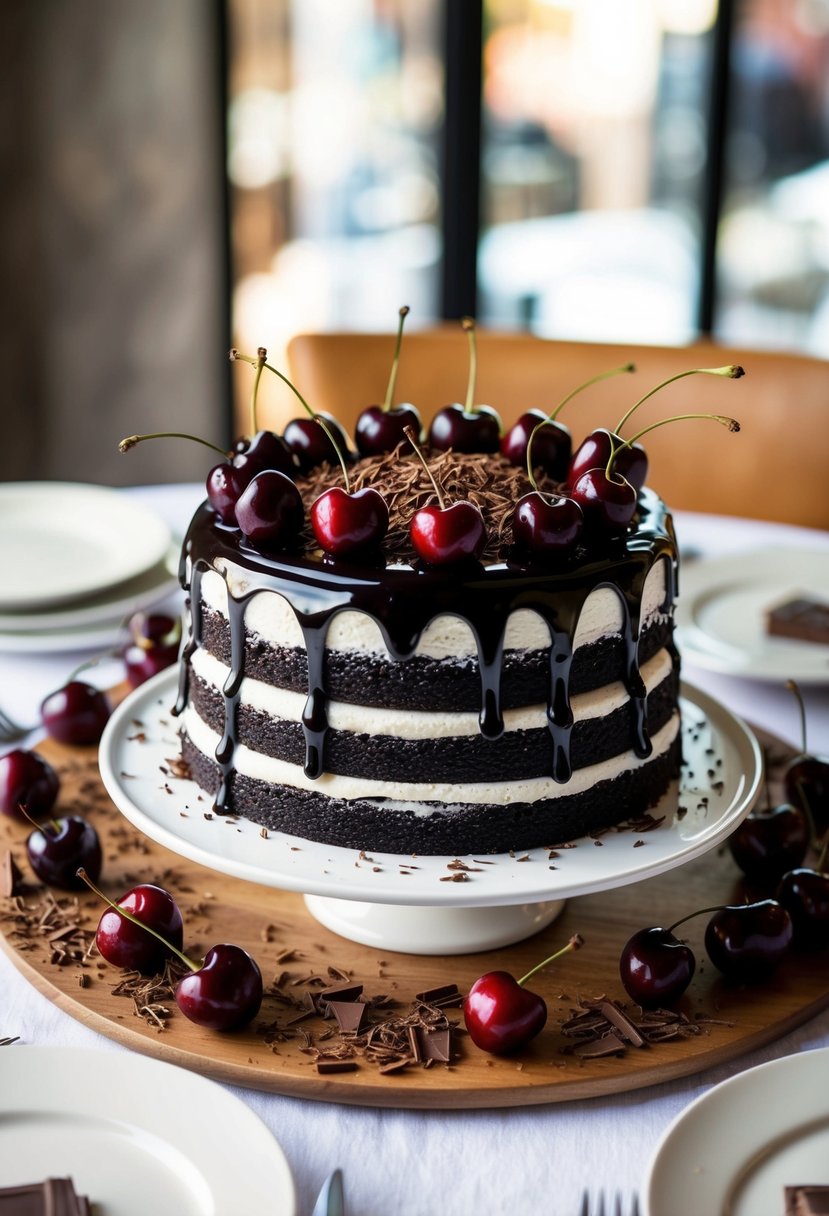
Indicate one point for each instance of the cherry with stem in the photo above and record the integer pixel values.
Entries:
(606, 497)
(501, 1015)
(380, 427)
(224, 993)
(56, 848)
(469, 427)
(442, 535)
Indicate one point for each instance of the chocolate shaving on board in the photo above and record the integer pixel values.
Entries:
(607, 1027)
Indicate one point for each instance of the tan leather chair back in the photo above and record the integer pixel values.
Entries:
(777, 468)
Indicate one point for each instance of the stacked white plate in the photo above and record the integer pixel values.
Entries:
(77, 560)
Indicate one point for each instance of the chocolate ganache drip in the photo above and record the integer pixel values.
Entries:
(402, 600)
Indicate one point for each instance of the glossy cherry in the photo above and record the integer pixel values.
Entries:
(224, 993)
(270, 511)
(551, 447)
(747, 941)
(607, 502)
(380, 428)
(768, 842)
(76, 713)
(311, 445)
(26, 779)
(806, 777)
(595, 451)
(266, 450)
(467, 427)
(443, 535)
(58, 847)
(123, 943)
(225, 484)
(656, 967)
(804, 893)
(346, 522)
(546, 525)
(153, 646)
(501, 1015)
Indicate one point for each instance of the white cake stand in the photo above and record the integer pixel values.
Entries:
(415, 904)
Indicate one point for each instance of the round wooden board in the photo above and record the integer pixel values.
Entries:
(269, 923)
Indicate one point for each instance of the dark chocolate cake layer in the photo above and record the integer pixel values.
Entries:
(515, 756)
(475, 829)
(423, 683)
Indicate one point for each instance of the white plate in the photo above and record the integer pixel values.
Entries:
(733, 1151)
(115, 604)
(172, 812)
(136, 1135)
(720, 613)
(62, 540)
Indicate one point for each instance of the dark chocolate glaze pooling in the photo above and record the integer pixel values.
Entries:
(402, 601)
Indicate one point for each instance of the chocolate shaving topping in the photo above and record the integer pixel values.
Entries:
(490, 482)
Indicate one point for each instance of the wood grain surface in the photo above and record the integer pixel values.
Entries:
(271, 923)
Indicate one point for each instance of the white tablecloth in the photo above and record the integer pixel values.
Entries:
(535, 1160)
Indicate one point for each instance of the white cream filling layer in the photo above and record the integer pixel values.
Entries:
(412, 724)
(447, 637)
(499, 793)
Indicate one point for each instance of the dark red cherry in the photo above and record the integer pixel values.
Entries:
(27, 779)
(265, 450)
(346, 523)
(804, 893)
(153, 647)
(444, 535)
(225, 993)
(465, 430)
(380, 430)
(500, 1015)
(546, 524)
(769, 842)
(594, 453)
(270, 512)
(310, 444)
(807, 785)
(76, 713)
(58, 848)
(551, 447)
(747, 941)
(225, 484)
(607, 503)
(124, 944)
(656, 967)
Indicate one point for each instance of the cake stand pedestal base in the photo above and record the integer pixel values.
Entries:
(413, 929)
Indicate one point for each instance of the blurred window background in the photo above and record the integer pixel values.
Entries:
(237, 171)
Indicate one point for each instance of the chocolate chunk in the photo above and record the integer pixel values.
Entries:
(350, 1015)
(341, 992)
(432, 996)
(802, 619)
(610, 1045)
(11, 878)
(434, 1044)
(330, 1066)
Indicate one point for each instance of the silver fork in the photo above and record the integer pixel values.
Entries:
(9, 730)
(599, 1206)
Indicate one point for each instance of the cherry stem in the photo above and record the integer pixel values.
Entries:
(410, 435)
(730, 424)
(821, 861)
(732, 372)
(235, 354)
(82, 874)
(404, 312)
(132, 440)
(806, 807)
(793, 687)
(21, 806)
(261, 358)
(699, 912)
(468, 323)
(628, 367)
(575, 943)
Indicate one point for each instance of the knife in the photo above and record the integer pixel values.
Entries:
(330, 1199)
